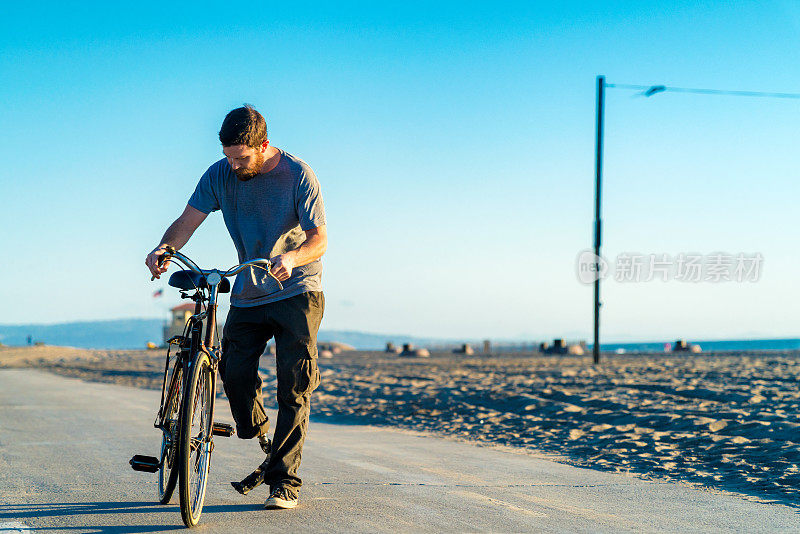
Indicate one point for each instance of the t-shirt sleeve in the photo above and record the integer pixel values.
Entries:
(204, 197)
(309, 205)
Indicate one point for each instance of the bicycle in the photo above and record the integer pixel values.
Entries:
(185, 416)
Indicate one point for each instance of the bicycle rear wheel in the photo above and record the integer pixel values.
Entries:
(195, 439)
(168, 470)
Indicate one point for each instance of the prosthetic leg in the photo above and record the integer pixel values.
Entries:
(256, 478)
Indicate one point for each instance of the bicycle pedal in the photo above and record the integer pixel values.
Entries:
(222, 429)
(148, 464)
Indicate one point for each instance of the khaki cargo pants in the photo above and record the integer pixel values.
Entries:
(294, 323)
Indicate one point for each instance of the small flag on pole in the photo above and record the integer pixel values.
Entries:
(158, 293)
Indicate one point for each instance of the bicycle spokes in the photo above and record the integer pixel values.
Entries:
(196, 440)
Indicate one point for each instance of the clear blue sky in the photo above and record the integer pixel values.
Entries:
(454, 145)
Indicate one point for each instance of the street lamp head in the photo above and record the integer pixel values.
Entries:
(655, 90)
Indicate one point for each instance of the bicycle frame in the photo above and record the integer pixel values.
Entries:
(214, 278)
(187, 355)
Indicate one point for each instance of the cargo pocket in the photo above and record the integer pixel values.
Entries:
(306, 377)
(310, 372)
(307, 346)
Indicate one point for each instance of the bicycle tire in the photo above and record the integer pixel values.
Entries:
(195, 439)
(168, 470)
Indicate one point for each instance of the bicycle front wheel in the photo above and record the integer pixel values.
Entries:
(168, 471)
(195, 439)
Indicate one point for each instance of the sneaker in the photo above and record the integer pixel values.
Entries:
(281, 497)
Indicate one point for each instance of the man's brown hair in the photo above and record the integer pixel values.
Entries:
(243, 126)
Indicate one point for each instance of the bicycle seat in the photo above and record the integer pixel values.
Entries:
(189, 280)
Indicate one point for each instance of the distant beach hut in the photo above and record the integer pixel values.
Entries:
(465, 348)
(560, 346)
(682, 346)
(334, 347)
(180, 316)
(409, 351)
(392, 349)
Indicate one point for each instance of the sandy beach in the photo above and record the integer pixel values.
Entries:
(726, 421)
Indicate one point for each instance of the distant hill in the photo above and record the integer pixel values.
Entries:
(135, 333)
(114, 334)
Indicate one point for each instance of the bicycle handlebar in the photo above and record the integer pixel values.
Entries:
(261, 263)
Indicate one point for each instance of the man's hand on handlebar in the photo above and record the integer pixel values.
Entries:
(156, 263)
(282, 266)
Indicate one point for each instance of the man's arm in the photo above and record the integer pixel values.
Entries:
(313, 248)
(176, 236)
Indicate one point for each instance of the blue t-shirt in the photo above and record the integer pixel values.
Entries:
(266, 216)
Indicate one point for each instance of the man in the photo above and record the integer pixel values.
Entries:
(272, 206)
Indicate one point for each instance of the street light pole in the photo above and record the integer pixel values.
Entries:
(601, 83)
(647, 91)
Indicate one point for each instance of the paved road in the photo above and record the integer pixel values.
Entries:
(65, 445)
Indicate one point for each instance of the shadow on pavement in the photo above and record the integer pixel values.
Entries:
(64, 509)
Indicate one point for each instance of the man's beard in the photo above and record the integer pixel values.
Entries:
(247, 174)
